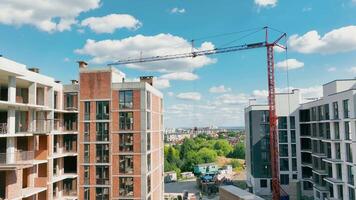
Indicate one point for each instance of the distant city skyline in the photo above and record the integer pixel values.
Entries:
(197, 92)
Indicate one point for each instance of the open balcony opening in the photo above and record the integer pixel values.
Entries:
(70, 164)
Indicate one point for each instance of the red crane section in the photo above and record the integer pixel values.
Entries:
(276, 189)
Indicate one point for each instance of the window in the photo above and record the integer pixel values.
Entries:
(148, 100)
(148, 162)
(126, 186)
(350, 175)
(284, 179)
(263, 183)
(337, 150)
(283, 136)
(86, 175)
(282, 122)
(87, 110)
(148, 141)
(126, 164)
(336, 110)
(340, 191)
(337, 130)
(102, 175)
(348, 134)
(148, 124)
(126, 120)
(86, 193)
(351, 193)
(86, 153)
(283, 150)
(292, 122)
(102, 110)
(284, 164)
(338, 171)
(102, 131)
(102, 193)
(294, 164)
(55, 167)
(345, 104)
(348, 153)
(126, 99)
(148, 184)
(86, 132)
(294, 150)
(102, 153)
(69, 101)
(295, 176)
(126, 142)
(327, 113)
(292, 136)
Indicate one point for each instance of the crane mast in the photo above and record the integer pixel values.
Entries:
(276, 189)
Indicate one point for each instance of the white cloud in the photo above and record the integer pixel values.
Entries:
(232, 99)
(219, 89)
(112, 22)
(194, 96)
(133, 47)
(331, 69)
(162, 83)
(177, 10)
(290, 64)
(170, 94)
(66, 59)
(49, 16)
(335, 41)
(184, 76)
(352, 70)
(266, 3)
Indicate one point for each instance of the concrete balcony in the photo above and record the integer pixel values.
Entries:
(22, 159)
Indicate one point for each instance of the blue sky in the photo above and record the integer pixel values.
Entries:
(201, 91)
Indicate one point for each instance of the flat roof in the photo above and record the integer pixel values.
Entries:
(243, 194)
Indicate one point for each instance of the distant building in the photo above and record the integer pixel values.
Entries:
(205, 168)
(230, 192)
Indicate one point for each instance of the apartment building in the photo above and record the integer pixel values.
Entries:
(38, 135)
(325, 136)
(327, 128)
(120, 136)
(258, 161)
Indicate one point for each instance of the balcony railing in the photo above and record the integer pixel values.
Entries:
(69, 192)
(19, 157)
(3, 128)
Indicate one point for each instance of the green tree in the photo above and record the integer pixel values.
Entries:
(223, 147)
(239, 151)
(207, 155)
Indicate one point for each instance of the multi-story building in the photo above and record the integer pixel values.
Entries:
(325, 136)
(97, 138)
(120, 136)
(327, 130)
(258, 161)
(38, 135)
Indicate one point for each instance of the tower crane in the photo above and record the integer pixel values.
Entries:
(277, 191)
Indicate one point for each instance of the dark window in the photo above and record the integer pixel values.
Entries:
(126, 142)
(284, 164)
(126, 120)
(69, 101)
(148, 183)
(148, 162)
(102, 131)
(148, 100)
(337, 150)
(345, 104)
(337, 130)
(348, 153)
(126, 99)
(126, 186)
(148, 121)
(292, 122)
(86, 132)
(86, 175)
(148, 141)
(102, 193)
(283, 150)
(86, 153)
(294, 164)
(292, 136)
(126, 164)
(87, 110)
(102, 110)
(284, 179)
(351, 193)
(338, 171)
(336, 110)
(282, 122)
(86, 193)
(263, 183)
(348, 134)
(350, 175)
(283, 136)
(102, 153)
(294, 150)
(102, 175)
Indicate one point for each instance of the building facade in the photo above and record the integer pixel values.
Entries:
(96, 138)
(258, 164)
(325, 141)
(38, 135)
(121, 136)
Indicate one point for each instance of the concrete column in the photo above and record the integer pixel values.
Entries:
(12, 89)
(10, 150)
(32, 93)
(11, 116)
(50, 103)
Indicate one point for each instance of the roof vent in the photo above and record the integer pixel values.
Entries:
(35, 69)
(57, 81)
(82, 64)
(74, 82)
